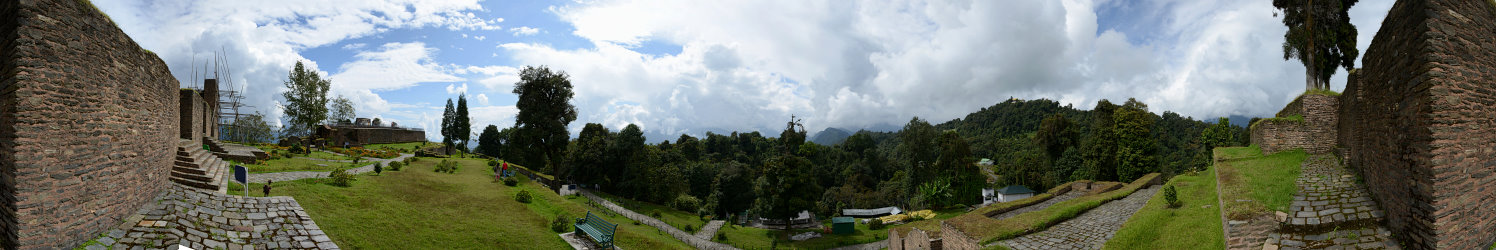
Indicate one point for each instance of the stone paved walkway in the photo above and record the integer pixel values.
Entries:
(288, 176)
(1036, 207)
(710, 229)
(1330, 210)
(1089, 230)
(207, 220)
(688, 238)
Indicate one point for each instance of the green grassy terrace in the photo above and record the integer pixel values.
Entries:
(1253, 184)
(1196, 224)
(298, 164)
(417, 208)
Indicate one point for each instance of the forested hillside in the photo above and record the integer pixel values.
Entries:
(1036, 143)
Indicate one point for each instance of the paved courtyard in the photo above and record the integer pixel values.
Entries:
(207, 220)
(1089, 230)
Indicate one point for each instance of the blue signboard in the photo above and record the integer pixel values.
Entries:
(241, 174)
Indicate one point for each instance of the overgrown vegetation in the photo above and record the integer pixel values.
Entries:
(1196, 225)
(341, 177)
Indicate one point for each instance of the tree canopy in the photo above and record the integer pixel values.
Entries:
(306, 99)
(545, 110)
(1320, 35)
(341, 109)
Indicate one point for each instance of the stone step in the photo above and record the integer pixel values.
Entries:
(193, 177)
(194, 183)
(187, 170)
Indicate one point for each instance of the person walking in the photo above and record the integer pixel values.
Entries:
(267, 187)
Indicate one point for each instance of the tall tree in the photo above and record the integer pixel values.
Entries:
(1137, 151)
(789, 189)
(490, 142)
(1220, 134)
(1055, 135)
(1320, 35)
(589, 158)
(544, 112)
(449, 122)
(306, 99)
(1099, 151)
(955, 161)
(919, 151)
(340, 109)
(462, 125)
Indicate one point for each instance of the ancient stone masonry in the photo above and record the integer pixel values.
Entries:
(1419, 123)
(87, 124)
(1315, 133)
(356, 135)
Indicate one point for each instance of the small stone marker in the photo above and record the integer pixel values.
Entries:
(241, 175)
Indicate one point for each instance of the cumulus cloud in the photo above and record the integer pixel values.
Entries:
(524, 31)
(860, 63)
(455, 89)
(482, 99)
(264, 39)
(395, 66)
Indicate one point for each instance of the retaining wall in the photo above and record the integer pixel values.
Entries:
(88, 124)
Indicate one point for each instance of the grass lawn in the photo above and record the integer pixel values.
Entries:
(296, 164)
(1196, 224)
(419, 209)
(676, 218)
(1253, 184)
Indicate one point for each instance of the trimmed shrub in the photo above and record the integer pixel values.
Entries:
(875, 224)
(1172, 196)
(685, 203)
(341, 178)
(560, 225)
(655, 214)
(511, 182)
(395, 165)
(689, 228)
(378, 167)
(523, 196)
(721, 236)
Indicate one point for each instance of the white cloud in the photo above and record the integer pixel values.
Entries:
(482, 99)
(454, 89)
(396, 66)
(524, 31)
(861, 63)
(262, 39)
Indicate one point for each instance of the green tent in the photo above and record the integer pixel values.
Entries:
(843, 225)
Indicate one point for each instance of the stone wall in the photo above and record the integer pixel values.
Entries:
(955, 239)
(1315, 133)
(87, 124)
(190, 110)
(357, 136)
(1418, 123)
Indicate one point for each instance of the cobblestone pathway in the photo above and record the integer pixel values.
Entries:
(1089, 230)
(287, 176)
(1036, 207)
(206, 220)
(1330, 210)
(710, 229)
(688, 238)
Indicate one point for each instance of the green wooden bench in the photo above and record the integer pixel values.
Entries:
(598, 229)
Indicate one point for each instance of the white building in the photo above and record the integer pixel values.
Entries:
(1013, 193)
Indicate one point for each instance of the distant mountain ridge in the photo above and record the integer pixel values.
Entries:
(830, 136)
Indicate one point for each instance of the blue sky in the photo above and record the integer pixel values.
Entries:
(683, 66)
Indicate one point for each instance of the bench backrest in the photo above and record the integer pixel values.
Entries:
(600, 224)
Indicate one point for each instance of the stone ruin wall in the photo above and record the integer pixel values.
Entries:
(1418, 123)
(1316, 134)
(190, 108)
(955, 239)
(87, 124)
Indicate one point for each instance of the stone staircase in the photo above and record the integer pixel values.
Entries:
(199, 168)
